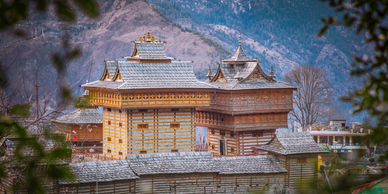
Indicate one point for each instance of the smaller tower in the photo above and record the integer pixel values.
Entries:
(209, 74)
(272, 74)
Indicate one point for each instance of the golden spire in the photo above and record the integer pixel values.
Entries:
(148, 36)
(152, 39)
(239, 40)
(209, 74)
(272, 74)
(144, 38)
(141, 39)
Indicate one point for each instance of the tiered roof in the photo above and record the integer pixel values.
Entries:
(241, 73)
(81, 116)
(148, 68)
(292, 143)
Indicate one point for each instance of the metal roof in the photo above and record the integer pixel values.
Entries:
(81, 116)
(292, 143)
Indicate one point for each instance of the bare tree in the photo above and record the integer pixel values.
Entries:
(312, 96)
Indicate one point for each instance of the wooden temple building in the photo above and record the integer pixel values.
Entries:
(148, 102)
(83, 128)
(247, 106)
(298, 154)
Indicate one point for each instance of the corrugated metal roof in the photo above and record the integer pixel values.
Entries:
(81, 116)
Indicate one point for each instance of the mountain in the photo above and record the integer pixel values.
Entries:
(107, 38)
(282, 33)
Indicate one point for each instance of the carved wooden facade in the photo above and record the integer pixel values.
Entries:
(141, 131)
(148, 102)
(246, 108)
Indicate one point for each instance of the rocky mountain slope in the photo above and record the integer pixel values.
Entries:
(281, 33)
(106, 38)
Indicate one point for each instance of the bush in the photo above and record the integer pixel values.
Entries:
(381, 158)
(327, 163)
(383, 169)
(322, 168)
(371, 159)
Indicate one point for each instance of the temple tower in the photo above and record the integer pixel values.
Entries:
(247, 107)
(148, 102)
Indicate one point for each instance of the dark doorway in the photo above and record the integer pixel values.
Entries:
(221, 146)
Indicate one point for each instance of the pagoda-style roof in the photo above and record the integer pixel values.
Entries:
(292, 143)
(138, 75)
(244, 76)
(81, 116)
(243, 73)
(148, 68)
(239, 56)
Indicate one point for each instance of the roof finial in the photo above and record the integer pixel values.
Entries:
(152, 39)
(239, 40)
(272, 74)
(141, 39)
(209, 74)
(148, 36)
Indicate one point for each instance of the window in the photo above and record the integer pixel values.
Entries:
(120, 111)
(232, 150)
(109, 139)
(232, 134)
(143, 152)
(213, 147)
(120, 124)
(222, 132)
(120, 153)
(120, 141)
(142, 126)
(301, 160)
(213, 131)
(143, 110)
(109, 110)
(109, 151)
(175, 109)
(174, 151)
(175, 125)
(222, 119)
(257, 134)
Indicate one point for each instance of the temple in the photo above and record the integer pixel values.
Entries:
(247, 108)
(148, 102)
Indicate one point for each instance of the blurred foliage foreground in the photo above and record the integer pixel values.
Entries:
(38, 160)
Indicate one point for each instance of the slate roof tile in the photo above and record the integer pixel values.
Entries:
(81, 115)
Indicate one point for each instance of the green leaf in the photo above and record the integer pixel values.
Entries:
(73, 54)
(322, 31)
(41, 5)
(21, 110)
(89, 7)
(64, 11)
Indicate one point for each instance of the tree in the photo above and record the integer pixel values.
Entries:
(312, 96)
(37, 157)
(369, 19)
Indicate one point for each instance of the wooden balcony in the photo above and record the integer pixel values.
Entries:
(147, 100)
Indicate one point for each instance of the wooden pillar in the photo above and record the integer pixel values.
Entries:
(350, 140)
(344, 140)
(318, 139)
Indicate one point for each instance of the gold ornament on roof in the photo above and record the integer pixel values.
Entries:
(148, 36)
(144, 39)
(239, 40)
(152, 39)
(141, 39)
